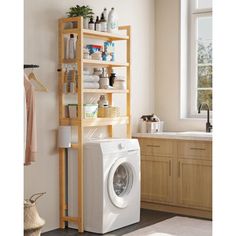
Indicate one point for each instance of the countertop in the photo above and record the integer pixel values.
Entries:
(189, 135)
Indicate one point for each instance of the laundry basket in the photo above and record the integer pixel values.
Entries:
(33, 223)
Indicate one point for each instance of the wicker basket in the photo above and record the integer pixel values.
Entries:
(108, 112)
(33, 223)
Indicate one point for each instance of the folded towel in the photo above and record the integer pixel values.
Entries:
(86, 72)
(92, 85)
(91, 78)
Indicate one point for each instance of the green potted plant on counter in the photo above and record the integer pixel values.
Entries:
(85, 11)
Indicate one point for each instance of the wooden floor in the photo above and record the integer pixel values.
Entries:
(147, 218)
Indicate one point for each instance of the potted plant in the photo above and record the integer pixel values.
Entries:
(84, 11)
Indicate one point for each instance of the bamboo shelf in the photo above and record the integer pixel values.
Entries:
(95, 121)
(97, 63)
(102, 91)
(97, 35)
(80, 122)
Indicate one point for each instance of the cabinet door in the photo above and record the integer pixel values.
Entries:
(156, 179)
(195, 183)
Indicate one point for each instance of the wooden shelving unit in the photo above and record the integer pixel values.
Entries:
(80, 122)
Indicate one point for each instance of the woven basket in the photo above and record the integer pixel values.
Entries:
(109, 112)
(32, 221)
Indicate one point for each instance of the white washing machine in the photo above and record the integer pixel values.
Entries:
(111, 184)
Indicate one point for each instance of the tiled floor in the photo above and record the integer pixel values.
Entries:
(148, 217)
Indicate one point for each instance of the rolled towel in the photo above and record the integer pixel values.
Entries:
(91, 85)
(86, 72)
(91, 78)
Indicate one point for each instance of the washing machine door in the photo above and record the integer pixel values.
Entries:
(121, 182)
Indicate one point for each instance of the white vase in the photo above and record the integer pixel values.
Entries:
(86, 23)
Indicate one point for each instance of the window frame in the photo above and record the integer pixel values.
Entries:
(194, 14)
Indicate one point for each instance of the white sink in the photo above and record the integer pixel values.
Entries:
(195, 133)
(188, 135)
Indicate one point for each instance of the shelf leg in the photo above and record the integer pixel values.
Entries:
(128, 78)
(79, 53)
(62, 182)
(110, 127)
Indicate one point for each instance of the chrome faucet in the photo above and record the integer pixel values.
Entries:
(208, 124)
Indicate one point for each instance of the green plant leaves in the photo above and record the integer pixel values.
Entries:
(84, 11)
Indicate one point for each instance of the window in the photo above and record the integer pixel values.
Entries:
(198, 41)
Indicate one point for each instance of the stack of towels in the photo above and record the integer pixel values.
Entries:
(91, 81)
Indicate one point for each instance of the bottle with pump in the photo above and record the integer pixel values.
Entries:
(97, 24)
(72, 48)
(112, 24)
(112, 78)
(91, 24)
(103, 23)
(105, 13)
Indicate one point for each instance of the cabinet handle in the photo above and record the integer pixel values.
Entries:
(169, 168)
(149, 145)
(196, 148)
(179, 169)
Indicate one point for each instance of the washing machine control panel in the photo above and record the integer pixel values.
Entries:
(121, 146)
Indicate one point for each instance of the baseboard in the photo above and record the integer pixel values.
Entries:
(178, 210)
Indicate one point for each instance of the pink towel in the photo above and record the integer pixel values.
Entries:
(31, 134)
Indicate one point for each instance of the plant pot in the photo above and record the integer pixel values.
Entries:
(86, 22)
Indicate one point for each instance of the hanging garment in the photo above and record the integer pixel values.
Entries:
(31, 134)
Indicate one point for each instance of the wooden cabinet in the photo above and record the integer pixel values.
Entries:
(158, 169)
(201, 150)
(194, 174)
(176, 175)
(195, 183)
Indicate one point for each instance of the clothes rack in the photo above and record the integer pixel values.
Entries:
(32, 77)
(30, 66)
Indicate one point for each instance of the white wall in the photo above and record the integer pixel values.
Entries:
(40, 47)
(167, 93)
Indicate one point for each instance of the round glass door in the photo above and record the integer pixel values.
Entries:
(120, 182)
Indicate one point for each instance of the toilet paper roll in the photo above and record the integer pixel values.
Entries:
(64, 137)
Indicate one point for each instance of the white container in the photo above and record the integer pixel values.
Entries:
(72, 43)
(142, 126)
(154, 127)
(104, 82)
(119, 84)
(112, 23)
(90, 110)
(96, 56)
(64, 137)
(86, 54)
(85, 23)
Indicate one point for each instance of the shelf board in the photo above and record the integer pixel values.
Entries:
(97, 34)
(104, 63)
(105, 91)
(74, 145)
(101, 91)
(96, 62)
(70, 31)
(93, 122)
(105, 121)
(70, 61)
(104, 35)
(68, 121)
